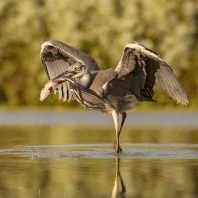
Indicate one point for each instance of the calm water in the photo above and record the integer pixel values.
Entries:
(78, 161)
(144, 119)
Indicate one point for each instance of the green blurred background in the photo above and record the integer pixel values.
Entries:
(100, 29)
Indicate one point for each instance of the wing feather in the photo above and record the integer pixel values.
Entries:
(151, 70)
(64, 91)
(57, 57)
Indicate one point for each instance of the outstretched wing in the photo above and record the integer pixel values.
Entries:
(145, 69)
(57, 57)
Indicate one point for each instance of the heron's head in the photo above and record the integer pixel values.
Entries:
(76, 70)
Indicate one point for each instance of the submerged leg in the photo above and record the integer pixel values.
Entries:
(124, 115)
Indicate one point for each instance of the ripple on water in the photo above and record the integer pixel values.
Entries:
(172, 151)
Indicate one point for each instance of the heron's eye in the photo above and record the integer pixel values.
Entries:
(77, 68)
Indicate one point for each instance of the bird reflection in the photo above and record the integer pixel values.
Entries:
(118, 178)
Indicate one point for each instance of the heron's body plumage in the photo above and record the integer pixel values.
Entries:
(113, 90)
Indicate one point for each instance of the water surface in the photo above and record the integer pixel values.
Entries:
(92, 118)
(78, 161)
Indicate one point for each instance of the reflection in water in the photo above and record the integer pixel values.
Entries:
(72, 162)
(79, 134)
(118, 177)
(73, 177)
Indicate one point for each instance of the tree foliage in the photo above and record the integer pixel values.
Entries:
(99, 28)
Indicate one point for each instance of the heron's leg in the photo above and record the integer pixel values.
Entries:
(124, 115)
(116, 122)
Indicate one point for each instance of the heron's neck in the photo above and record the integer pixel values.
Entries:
(84, 80)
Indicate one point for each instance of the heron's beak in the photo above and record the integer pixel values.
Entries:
(66, 73)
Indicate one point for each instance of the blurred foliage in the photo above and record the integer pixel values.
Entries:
(99, 28)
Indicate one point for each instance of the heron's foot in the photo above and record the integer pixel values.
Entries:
(117, 148)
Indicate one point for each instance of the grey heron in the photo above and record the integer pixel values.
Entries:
(76, 75)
